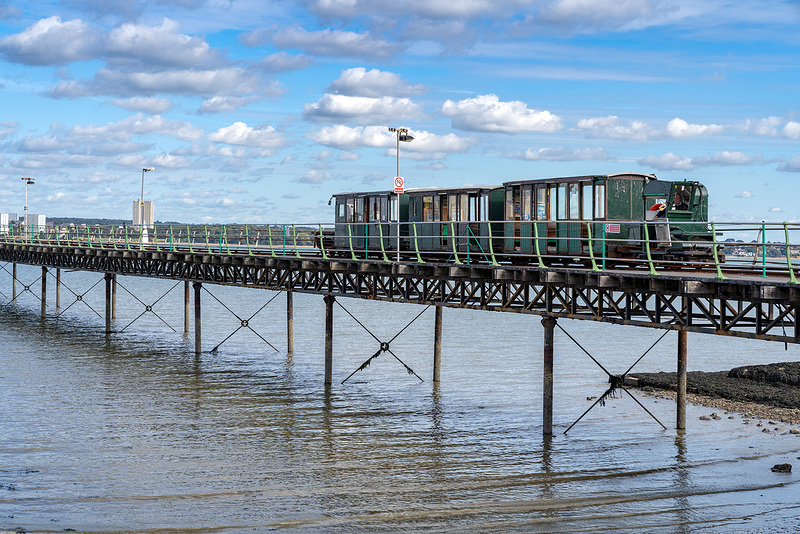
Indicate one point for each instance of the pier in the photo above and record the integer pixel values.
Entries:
(757, 303)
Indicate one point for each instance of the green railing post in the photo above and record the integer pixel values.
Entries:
(322, 243)
(171, 240)
(383, 250)
(283, 250)
(126, 237)
(271, 248)
(792, 279)
(294, 240)
(536, 241)
(208, 244)
(647, 248)
(189, 240)
(453, 241)
(491, 245)
(591, 248)
(603, 226)
(350, 240)
(247, 241)
(720, 276)
(416, 248)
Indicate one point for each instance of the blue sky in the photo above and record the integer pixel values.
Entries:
(258, 111)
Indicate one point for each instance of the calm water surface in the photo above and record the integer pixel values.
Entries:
(132, 432)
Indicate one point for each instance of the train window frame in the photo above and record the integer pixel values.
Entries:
(427, 209)
(600, 201)
(384, 208)
(541, 203)
(587, 201)
(452, 205)
(561, 202)
(574, 201)
(437, 206)
(341, 210)
(526, 203)
(463, 208)
(359, 210)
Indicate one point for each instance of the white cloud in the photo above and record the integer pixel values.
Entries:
(680, 128)
(604, 14)
(7, 128)
(343, 108)
(147, 104)
(334, 43)
(727, 158)
(615, 128)
(373, 83)
(745, 194)
(791, 130)
(283, 62)
(240, 133)
(793, 165)
(314, 177)
(668, 162)
(157, 46)
(349, 156)
(775, 209)
(562, 153)
(486, 113)
(217, 104)
(764, 127)
(347, 138)
(51, 42)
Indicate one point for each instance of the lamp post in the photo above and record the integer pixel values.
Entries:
(141, 202)
(401, 134)
(28, 181)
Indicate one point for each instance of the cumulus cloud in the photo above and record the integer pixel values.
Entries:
(727, 158)
(793, 165)
(51, 42)
(680, 128)
(343, 108)
(672, 161)
(347, 138)
(373, 83)
(562, 153)
(791, 130)
(668, 162)
(437, 9)
(218, 104)
(8, 128)
(314, 177)
(745, 194)
(283, 62)
(603, 14)
(240, 133)
(146, 104)
(334, 43)
(156, 46)
(615, 128)
(487, 114)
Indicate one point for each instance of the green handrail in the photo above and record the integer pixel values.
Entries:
(294, 240)
(155, 237)
(591, 248)
(224, 238)
(189, 240)
(126, 237)
(647, 248)
(792, 279)
(763, 249)
(720, 276)
(208, 245)
(453, 242)
(247, 241)
(171, 240)
(536, 240)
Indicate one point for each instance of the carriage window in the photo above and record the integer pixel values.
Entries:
(552, 202)
(526, 204)
(341, 211)
(463, 212)
(350, 211)
(384, 208)
(562, 201)
(484, 215)
(359, 215)
(587, 202)
(541, 206)
(600, 201)
(509, 205)
(443, 203)
(374, 214)
(393, 207)
(427, 208)
(452, 202)
(574, 202)
(436, 208)
(473, 208)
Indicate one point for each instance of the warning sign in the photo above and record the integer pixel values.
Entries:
(612, 228)
(398, 184)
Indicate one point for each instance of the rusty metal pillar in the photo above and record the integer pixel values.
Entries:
(289, 322)
(197, 331)
(329, 300)
(549, 324)
(44, 291)
(109, 289)
(681, 393)
(437, 344)
(187, 306)
(13, 281)
(58, 288)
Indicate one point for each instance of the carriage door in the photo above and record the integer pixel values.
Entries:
(574, 228)
(526, 214)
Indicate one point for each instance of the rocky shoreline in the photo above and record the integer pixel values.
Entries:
(769, 391)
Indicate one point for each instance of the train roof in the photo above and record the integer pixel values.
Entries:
(423, 190)
(585, 178)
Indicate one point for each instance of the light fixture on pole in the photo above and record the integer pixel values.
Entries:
(28, 181)
(141, 201)
(401, 134)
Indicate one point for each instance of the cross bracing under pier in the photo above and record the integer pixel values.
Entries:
(738, 305)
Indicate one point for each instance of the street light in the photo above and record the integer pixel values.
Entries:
(401, 134)
(28, 181)
(141, 201)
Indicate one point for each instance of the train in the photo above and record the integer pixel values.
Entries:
(556, 221)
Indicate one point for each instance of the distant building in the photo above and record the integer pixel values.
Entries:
(144, 213)
(3, 223)
(35, 223)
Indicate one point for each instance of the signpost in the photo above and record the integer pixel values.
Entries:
(398, 185)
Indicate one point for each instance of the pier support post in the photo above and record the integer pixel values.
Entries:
(549, 324)
(109, 277)
(13, 281)
(437, 345)
(329, 300)
(58, 288)
(681, 393)
(197, 331)
(187, 307)
(289, 322)
(113, 297)
(44, 291)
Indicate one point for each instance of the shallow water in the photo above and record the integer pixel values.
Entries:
(132, 432)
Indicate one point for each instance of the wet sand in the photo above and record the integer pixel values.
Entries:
(763, 391)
